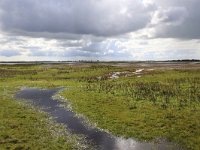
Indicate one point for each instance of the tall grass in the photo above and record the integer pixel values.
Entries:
(182, 92)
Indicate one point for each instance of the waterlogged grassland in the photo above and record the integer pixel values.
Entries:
(21, 125)
(165, 104)
(23, 128)
(159, 104)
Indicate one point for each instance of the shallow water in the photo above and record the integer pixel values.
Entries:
(101, 139)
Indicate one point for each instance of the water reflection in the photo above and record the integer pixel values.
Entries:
(102, 140)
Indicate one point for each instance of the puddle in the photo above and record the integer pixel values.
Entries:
(138, 71)
(115, 75)
(100, 139)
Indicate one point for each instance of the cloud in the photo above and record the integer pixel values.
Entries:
(9, 53)
(102, 50)
(171, 16)
(99, 29)
(67, 19)
(176, 19)
(99, 18)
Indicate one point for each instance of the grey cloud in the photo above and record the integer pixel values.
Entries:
(72, 19)
(95, 47)
(181, 19)
(95, 28)
(80, 53)
(72, 43)
(91, 50)
(9, 53)
(117, 55)
(103, 46)
(165, 54)
(70, 52)
(11, 40)
(110, 49)
(45, 35)
(99, 18)
(38, 52)
(171, 16)
(143, 43)
(179, 54)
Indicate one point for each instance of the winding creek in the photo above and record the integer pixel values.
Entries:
(43, 98)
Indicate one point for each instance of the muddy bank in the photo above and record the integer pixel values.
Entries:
(100, 139)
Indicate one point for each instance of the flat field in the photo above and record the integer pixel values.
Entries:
(145, 101)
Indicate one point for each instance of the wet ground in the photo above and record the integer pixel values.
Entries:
(100, 139)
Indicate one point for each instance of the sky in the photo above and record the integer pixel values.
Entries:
(109, 30)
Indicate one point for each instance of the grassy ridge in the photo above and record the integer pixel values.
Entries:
(162, 103)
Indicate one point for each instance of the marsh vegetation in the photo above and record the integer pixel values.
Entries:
(163, 103)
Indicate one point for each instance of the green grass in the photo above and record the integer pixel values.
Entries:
(160, 104)
(23, 127)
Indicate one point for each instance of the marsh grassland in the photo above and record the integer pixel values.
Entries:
(143, 101)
